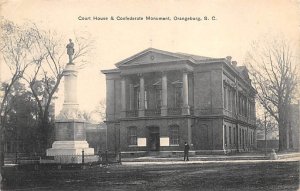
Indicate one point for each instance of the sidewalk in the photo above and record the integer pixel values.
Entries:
(201, 159)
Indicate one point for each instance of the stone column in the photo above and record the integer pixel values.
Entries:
(164, 85)
(70, 105)
(70, 75)
(185, 95)
(123, 97)
(131, 97)
(142, 97)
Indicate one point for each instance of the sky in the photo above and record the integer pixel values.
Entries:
(238, 23)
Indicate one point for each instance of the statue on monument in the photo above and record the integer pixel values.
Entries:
(70, 50)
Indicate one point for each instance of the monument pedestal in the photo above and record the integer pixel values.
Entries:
(66, 152)
(71, 143)
(70, 136)
(70, 148)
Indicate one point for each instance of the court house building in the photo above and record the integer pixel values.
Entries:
(157, 100)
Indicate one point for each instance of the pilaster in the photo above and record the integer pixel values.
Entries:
(164, 84)
(123, 97)
(185, 96)
(142, 96)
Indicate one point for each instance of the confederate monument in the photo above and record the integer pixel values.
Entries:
(70, 135)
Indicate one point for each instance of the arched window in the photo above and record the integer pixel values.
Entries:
(132, 135)
(174, 135)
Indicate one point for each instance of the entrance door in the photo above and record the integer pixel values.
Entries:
(154, 142)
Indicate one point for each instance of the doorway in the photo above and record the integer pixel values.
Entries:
(154, 139)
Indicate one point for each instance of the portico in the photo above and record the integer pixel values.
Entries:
(148, 96)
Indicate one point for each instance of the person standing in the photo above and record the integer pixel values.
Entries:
(186, 151)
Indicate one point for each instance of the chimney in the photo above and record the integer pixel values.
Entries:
(228, 58)
(234, 63)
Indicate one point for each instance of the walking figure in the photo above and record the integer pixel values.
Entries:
(186, 151)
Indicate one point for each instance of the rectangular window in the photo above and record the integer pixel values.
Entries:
(136, 98)
(225, 97)
(230, 135)
(178, 96)
(245, 107)
(146, 100)
(234, 134)
(240, 142)
(245, 137)
(233, 102)
(174, 135)
(229, 100)
(239, 104)
(132, 136)
(225, 135)
(243, 134)
(242, 106)
(158, 94)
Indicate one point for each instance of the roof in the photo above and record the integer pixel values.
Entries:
(147, 57)
(177, 55)
(195, 57)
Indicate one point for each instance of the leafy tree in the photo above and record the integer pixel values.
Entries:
(21, 118)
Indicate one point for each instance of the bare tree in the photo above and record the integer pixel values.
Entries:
(101, 109)
(275, 79)
(97, 115)
(14, 48)
(15, 45)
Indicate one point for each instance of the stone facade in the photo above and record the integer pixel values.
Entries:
(157, 100)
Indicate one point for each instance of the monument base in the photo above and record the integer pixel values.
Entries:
(71, 152)
(70, 148)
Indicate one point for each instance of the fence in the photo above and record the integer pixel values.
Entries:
(102, 157)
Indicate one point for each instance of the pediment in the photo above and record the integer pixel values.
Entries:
(149, 56)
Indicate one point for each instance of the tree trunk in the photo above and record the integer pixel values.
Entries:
(282, 136)
(45, 133)
(2, 153)
(2, 144)
(291, 144)
(43, 136)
